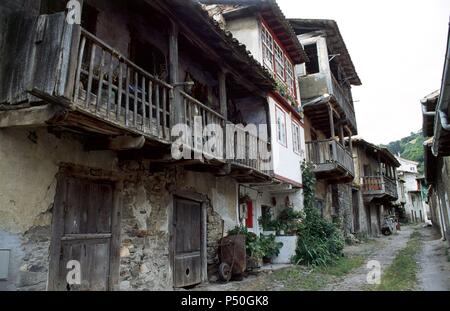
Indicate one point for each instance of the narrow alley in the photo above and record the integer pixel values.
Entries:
(431, 258)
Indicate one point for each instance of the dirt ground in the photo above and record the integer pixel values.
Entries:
(433, 259)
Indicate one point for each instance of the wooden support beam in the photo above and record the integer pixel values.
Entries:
(126, 142)
(177, 110)
(341, 134)
(32, 117)
(223, 93)
(330, 113)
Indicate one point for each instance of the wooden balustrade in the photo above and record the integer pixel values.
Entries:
(330, 151)
(379, 185)
(111, 87)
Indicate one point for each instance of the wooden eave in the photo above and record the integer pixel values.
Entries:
(223, 47)
(335, 42)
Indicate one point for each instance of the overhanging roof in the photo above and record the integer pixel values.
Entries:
(273, 16)
(335, 42)
(233, 53)
(441, 144)
(429, 104)
(385, 154)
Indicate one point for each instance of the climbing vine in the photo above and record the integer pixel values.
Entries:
(320, 241)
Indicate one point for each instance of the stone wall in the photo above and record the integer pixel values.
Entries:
(30, 162)
(145, 254)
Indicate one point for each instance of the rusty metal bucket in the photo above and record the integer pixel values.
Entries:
(232, 256)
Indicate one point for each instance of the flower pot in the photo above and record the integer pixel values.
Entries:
(288, 249)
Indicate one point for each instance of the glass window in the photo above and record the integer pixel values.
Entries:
(279, 62)
(281, 126)
(267, 41)
(296, 138)
(290, 76)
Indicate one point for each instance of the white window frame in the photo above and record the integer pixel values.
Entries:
(296, 137)
(267, 46)
(280, 66)
(290, 77)
(280, 116)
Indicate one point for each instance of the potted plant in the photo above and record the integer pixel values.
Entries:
(271, 247)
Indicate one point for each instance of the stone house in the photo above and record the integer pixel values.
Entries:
(270, 39)
(90, 183)
(414, 203)
(330, 121)
(376, 181)
(436, 115)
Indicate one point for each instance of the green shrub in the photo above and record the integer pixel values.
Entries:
(270, 246)
(256, 247)
(320, 242)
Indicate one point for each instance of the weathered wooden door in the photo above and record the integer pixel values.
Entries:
(355, 202)
(82, 236)
(187, 243)
(369, 220)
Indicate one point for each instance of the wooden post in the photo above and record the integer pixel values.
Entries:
(350, 141)
(176, 116)
(330, 112)
(333, 133)
(223, 93)
(341, 134)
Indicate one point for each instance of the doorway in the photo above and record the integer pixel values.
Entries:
(355, 202)
(188, 243)
(85, 235)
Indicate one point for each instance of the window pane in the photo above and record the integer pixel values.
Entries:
(281, 126)
(279, 62)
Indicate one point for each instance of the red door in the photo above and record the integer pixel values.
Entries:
(249, 220)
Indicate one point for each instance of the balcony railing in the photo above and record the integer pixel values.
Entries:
(111, 87)
(343, 100)
(249, 151)
(316, 85)
(379, 186)
(330, 155)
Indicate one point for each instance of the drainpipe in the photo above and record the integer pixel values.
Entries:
(444, 120)
(425, 112)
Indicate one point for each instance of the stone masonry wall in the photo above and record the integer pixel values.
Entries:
(30, 162)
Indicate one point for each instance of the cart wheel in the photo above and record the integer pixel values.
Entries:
(225, 272)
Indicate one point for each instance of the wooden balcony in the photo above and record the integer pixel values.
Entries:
(379, 188)
(80, 83)
(314, 89)
(111, 88)
(332, 161)
(251, 156)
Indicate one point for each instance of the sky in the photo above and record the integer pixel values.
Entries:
(398, 48)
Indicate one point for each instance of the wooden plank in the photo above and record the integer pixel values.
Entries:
(127, 97)
(164, 109)
(144, 93)
(80, 62)
(30, 117)
(150, 105)
(110, 84)
(187, 243)
(115, 240)
(100, 83)
(119, 99)
(135, 107)
(57, 231)
(90, 76)
(158, 110)
(92, 236)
